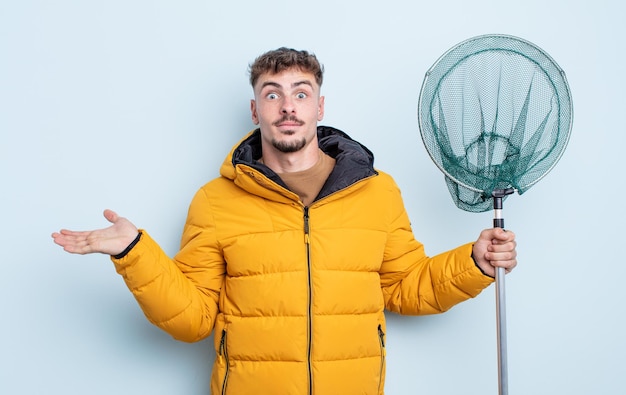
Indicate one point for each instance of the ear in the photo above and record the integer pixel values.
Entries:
(254, 114)
(320, 109)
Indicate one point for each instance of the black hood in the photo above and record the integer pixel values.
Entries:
(354, 161)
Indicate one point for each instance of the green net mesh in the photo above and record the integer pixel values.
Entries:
(494, 113)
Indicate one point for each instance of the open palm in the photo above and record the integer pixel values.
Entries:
(112, 240)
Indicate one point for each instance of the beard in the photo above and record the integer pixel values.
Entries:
(289, 146)
(292, 146)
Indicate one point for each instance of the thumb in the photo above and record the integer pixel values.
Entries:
(111, 216)
(503, 235)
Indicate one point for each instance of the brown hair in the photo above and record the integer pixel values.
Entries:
(281, 59)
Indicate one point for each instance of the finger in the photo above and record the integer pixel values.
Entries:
(508, 265)
(503, 260)
(64, 238)
(498, 247)
(73, 233)
(70, 245)
(74, 242)
(501, 255)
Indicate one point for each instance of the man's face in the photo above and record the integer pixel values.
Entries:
(287, 107)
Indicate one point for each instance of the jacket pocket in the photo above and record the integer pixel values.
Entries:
(383, 353)
(223, 356)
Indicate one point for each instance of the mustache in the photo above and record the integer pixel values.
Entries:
(288, 118)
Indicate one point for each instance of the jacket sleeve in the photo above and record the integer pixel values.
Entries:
(178, 295)
(416, 284)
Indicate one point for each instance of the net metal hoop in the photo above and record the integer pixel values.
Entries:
(448, 63)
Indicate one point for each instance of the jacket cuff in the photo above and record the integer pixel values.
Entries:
(475, 263)
(127, 249)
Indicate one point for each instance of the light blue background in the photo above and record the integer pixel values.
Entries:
(132, 105)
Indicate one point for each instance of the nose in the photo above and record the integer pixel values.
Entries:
(287, 106)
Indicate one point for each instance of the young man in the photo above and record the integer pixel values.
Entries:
(292, 255)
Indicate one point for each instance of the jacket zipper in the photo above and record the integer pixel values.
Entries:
(224, 352)
(307, 242)
(381, 338)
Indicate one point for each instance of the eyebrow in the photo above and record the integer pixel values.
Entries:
(295, 84)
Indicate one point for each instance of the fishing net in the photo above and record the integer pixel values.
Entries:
(495, 115)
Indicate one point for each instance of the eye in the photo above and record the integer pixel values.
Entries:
(272, 96)
(301, 95)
